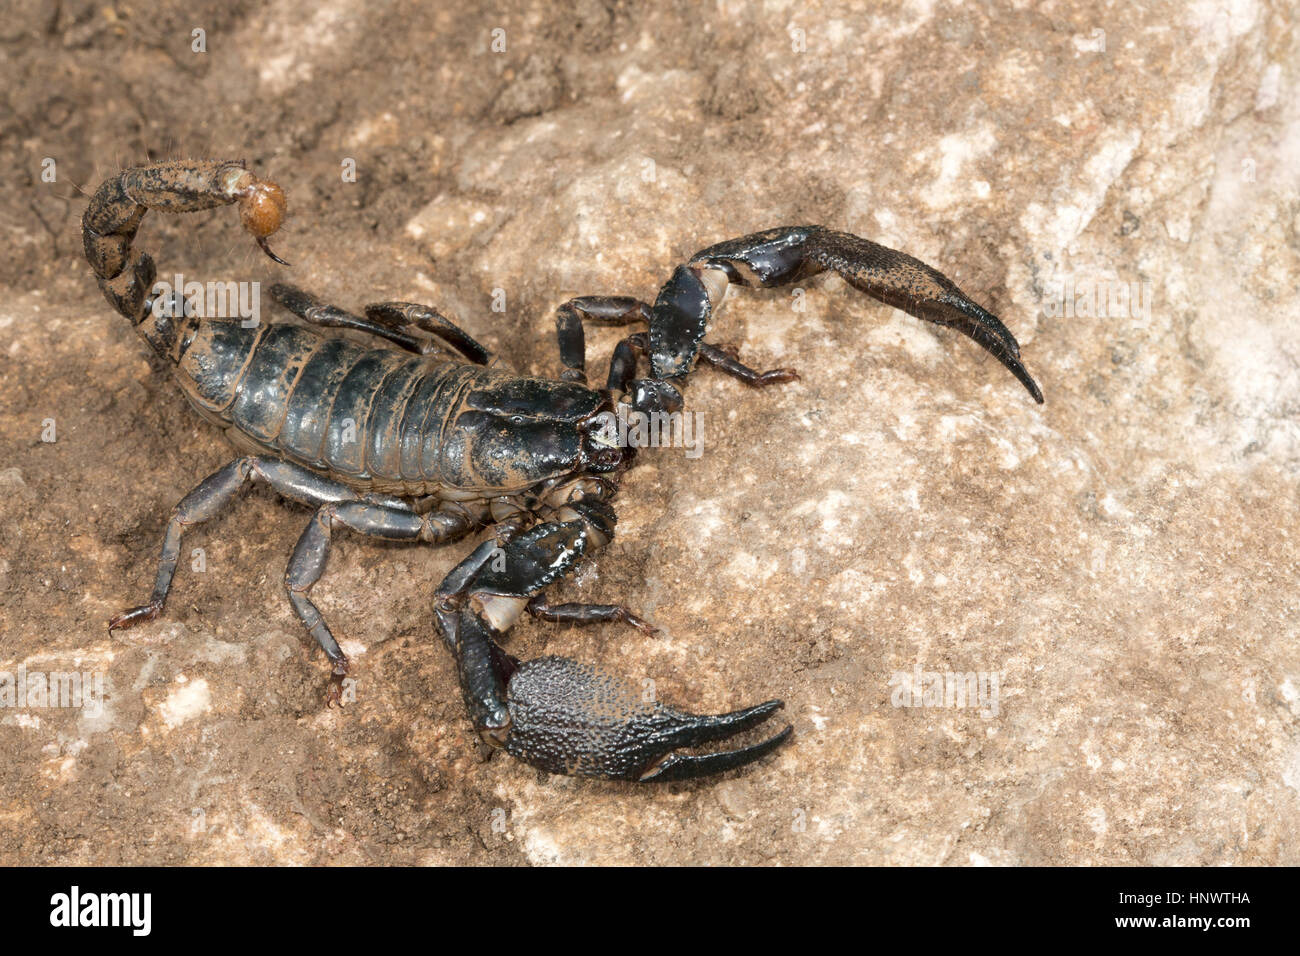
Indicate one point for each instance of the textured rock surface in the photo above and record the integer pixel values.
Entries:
(1122, 187)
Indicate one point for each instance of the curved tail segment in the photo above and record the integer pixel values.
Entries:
(787, 254)
(126, 275)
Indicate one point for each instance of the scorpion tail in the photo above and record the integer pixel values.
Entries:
(110, 222)
(787, 254)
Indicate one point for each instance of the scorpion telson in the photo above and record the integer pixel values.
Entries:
(418, 435)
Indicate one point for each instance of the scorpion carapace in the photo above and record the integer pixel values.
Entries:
(418, 435)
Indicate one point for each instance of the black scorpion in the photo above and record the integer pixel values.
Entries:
(421, 438)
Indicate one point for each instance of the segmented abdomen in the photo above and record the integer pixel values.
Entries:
(373, 417)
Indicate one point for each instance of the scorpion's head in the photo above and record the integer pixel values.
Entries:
(521, 432)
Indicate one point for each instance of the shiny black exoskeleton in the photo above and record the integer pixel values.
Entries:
(425, 439)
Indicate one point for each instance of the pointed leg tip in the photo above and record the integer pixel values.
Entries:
(133, 616)
(334, 695)
(778, 376)
(640, 623)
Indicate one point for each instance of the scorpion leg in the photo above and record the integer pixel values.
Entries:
(206, 501)
(780, 256)
(311, 309)
(405, 315)
(624, 310)
(369, 518)
(600, 309)
(588, 614)
(335, 503)
(622, 367)
(730, 365)
(392, 321)
(557, 714)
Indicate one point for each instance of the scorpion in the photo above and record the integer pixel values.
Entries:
(446, 443)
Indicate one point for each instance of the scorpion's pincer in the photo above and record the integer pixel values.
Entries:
(569, 718)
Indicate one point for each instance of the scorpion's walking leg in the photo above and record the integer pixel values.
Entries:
(622, 367)
(293, 482)
(588, 614)
(625, 310)
(600, 309)
(208, 499)
(311, 309)
(411, 314)
(390, 521)
(728, 364)
(780, 256)
(392, 321)
(555, 713)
